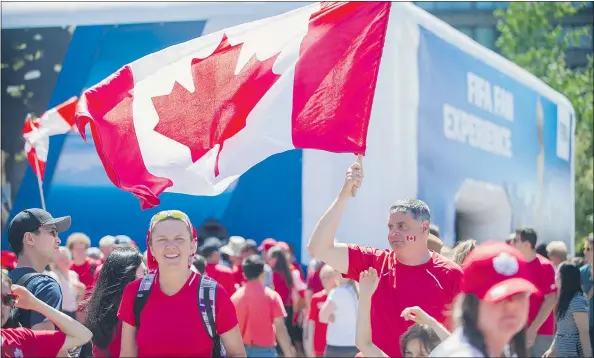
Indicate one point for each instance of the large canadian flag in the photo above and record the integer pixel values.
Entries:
(37, 133)
(193, 117)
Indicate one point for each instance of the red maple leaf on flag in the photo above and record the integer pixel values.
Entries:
(220, 103)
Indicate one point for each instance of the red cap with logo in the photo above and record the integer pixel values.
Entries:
(495, 271)
(267, 244)
(283, 246)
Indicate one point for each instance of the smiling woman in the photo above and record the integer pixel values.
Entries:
(172, 242)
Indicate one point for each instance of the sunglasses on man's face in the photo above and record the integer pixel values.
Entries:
(9, 299)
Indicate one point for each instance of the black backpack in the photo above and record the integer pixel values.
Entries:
(20, 317)
(207, 289)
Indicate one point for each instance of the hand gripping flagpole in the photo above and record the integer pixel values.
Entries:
(360, 161)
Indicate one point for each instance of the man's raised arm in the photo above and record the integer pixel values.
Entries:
(322, 245)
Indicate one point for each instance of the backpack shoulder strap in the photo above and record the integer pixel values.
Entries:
(142, 295)
(26, 278)
(207, 289)
(21, 317)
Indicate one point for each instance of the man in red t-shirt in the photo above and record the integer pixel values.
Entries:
(248, 249)
(410, 273)
(260, 313)
(222, 274)
(541, 323)
(84, 266)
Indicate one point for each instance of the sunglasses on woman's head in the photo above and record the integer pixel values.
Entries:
(174, 214)
(9, 299)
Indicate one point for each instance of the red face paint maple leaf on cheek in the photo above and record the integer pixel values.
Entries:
(220, 104)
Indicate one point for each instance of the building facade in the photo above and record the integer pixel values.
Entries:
(476, 20)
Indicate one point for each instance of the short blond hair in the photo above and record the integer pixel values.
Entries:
(66, 251)
(327, 271)
(78, 238)
(107, 241)
(557, 249)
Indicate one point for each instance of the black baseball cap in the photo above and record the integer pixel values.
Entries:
(30, 220)
(250, 245)
(211, 245)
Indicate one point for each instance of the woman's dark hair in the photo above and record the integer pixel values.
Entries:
(470, 307)
(282, 266)
(570, 286)
(424, 334)
(102, 307)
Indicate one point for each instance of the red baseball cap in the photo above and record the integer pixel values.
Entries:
(495, 271)
(283, 246)
(9, 259)
(267, 244)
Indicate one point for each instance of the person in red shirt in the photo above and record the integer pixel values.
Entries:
(316, 330)
(265, 246)
(25, 342)
(313, 281)
(220, 273)
(288, 250)
(291, 289)
(411, 274)
(248, 249)
(541, 321)
(261, 331)
(84, 266)
(122, 266)
(493, 305)
(106, 245)
(170, 323)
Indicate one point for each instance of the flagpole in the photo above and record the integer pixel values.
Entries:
(38, 175)
(39, 182)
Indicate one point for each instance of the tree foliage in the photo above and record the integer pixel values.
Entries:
(530, 36)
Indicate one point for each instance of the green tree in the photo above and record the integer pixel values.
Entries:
(532, 38)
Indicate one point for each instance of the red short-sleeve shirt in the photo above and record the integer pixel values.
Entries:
(84, 272)
(542, 274)
(320, 329)
(171, 326)
(238, 275)
(25, 342)
(432, 286)
(258, 329)
(223, 275)
(314, 283)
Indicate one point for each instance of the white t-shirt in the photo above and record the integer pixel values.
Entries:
(67, 285)
(341, 332)
(457, 345)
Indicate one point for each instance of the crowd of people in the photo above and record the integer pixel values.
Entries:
(195, 293)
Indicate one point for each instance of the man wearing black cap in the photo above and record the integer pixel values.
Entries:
(33, 235)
